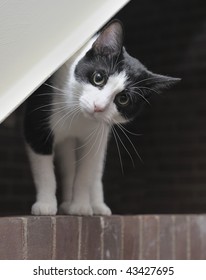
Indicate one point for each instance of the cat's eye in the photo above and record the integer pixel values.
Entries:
(98, 79)
(122, 99)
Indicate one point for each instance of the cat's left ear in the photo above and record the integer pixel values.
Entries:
(110, 40)
(160, 82)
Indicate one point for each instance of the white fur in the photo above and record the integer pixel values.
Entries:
(45, 182)
(81, 140)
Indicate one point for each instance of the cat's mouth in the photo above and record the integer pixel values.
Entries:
(92, 114)
(97, 116)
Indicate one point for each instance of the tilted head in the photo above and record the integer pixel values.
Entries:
(112, 85)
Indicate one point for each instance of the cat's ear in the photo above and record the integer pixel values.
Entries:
(110, 40)
(160, 82)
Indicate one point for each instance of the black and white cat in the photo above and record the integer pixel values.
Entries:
(73, 112)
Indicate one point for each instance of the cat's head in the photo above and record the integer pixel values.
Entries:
(113, 86)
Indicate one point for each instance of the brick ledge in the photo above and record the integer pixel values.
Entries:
(115, 237)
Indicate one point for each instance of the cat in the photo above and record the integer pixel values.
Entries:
(72, 114)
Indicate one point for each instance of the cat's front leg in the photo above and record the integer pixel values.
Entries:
(80, 204)
(66, 154)
(45, 183)
(97, 199)
(87, 190)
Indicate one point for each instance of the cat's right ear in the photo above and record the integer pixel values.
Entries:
(110, 40)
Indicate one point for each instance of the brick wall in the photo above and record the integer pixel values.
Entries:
(118, 237)
(130, 237)
(169, 37)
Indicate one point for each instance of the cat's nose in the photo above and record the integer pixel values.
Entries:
(98, 108)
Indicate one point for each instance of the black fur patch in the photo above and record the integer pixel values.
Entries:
(36, 121)
(91, 63)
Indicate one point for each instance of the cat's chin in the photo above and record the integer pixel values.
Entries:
(97, 117)
(88, 115)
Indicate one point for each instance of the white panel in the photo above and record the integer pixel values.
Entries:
(37, 36)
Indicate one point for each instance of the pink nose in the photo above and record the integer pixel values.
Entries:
(98, 108)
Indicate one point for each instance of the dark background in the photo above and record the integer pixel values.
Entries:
(169, 37)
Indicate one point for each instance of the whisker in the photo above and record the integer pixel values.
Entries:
(58, 89)
(63, 107)
(58, 111)
(150, 89)
(67, 106)
(132, 133)
(130, 143)
(118, 149)
(147, 88)
(61, 119)
(91, 148)
(101, 139)
(74, 115)
(47, 105)
(138, 82)
(141, 95)
(51, 94)
(71, 113)
(125, 148)
(89, 137)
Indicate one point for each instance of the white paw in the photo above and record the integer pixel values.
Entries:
(44, 208)
(101, 209)
(80, 209)
(64, 208)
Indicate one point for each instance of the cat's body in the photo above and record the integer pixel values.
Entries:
(72, 113)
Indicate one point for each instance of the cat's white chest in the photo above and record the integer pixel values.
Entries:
(74, 126)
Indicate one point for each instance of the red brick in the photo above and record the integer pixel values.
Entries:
(12, 243)
(91, 242)
(181, 237)
(166, 237)
(112, 238)
(131, 240)
(40, 238)
(198, 237)
(67, 237)
(150, 240)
